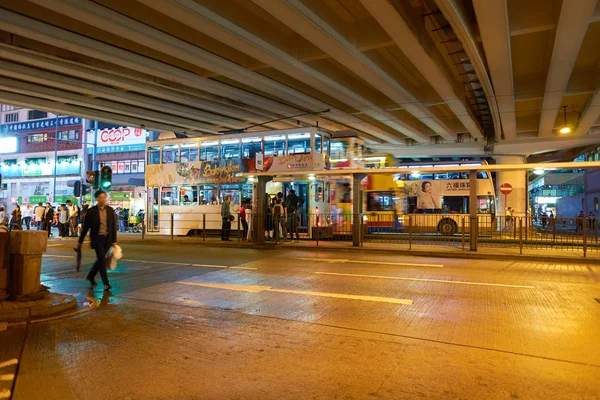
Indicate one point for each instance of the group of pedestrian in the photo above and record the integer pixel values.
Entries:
(592, 222)
(66, 218)
(282, 217)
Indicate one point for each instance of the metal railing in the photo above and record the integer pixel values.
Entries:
(457, 230)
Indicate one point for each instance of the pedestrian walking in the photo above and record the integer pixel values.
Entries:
(73, 217)
(63, 221)
(293, 202)
(580, 221)
(47, 218)
(591, 221)
(283, 221)
(39, 212)
(3, 219)
(268, 218)
(294, 222)
(101, 223)
(27, 215)
(227, 218)
(243, 219)
(509, 218)
(278, 217)
(15, 219)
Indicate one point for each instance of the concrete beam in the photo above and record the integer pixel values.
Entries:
(66, 109)
(492, 18)
(139, 84)
(572, 25)
(61, 96)
(306, 23)
(211, 24)
(412, 46)
(457, 21)
(108, 20)
(589, 116)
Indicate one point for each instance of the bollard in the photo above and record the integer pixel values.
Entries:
(317, 229)
(462, 236)
(204, 227)
(25, 266)
(362, 230)
(172, 224)
(473, 233)
(584, 239)
(4, 260)
(520, 235)
(409, 232)
(143, 230)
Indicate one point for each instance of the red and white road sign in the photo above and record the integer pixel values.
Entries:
(506, 188)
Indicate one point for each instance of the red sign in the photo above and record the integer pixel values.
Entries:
(506, 188)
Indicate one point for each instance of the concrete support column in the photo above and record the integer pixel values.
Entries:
(356, 206)
(258, 222)
(518, 199)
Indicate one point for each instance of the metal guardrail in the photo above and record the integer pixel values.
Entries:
(458, 230)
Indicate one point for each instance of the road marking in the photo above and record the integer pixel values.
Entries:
(166, 263)
(343, 260)
(9, 363)
(4, 394)
(425, 280)
(259, 289)
(246, 268)
(53, 245)
(7, 377)
(56, 256)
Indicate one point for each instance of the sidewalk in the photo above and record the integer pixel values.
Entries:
(401, 249)
(51, 304)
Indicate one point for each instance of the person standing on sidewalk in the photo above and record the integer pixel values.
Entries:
(27, 215)
(15, 219)
(101, 222)
(39, 216)
(63, 221)
(226, 217)
(47, 218)
(278, 217)
(73, 216)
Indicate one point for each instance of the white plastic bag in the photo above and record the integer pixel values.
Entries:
(115, 254)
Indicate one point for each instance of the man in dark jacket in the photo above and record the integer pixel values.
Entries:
(48, 218)
(101, 222)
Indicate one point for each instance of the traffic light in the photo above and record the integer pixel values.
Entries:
(92, 178)
(77, 189)
(105, 177)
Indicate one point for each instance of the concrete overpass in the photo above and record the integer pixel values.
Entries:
(419, 77)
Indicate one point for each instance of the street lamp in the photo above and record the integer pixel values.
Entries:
(565, 129)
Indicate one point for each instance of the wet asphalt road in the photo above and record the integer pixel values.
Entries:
(186, 322)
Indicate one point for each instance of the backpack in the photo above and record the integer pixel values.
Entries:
(277, 209)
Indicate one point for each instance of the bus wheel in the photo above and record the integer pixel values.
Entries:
(447, 227)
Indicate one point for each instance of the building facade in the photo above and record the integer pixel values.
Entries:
(39, 154)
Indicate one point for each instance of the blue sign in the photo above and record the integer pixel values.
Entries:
(117, 149)
(41, 124)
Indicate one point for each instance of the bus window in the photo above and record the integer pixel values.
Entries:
(188, 195)
(189, 152)
(231, 190)
(298, 143)
(168, 196)
(251, 146)
(153, 155)
(209, 151)
(208, 194)
(274, 145)
(380, 201)
(247, 191)
(230, 149)
(318, 143)
(170, 154)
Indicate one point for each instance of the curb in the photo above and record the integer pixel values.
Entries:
(579, 259)
(52, 304)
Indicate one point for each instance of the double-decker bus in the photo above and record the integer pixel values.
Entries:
(188, 178)
(436, 202)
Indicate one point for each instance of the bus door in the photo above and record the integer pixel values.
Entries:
(303, 194)
(152, 210)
